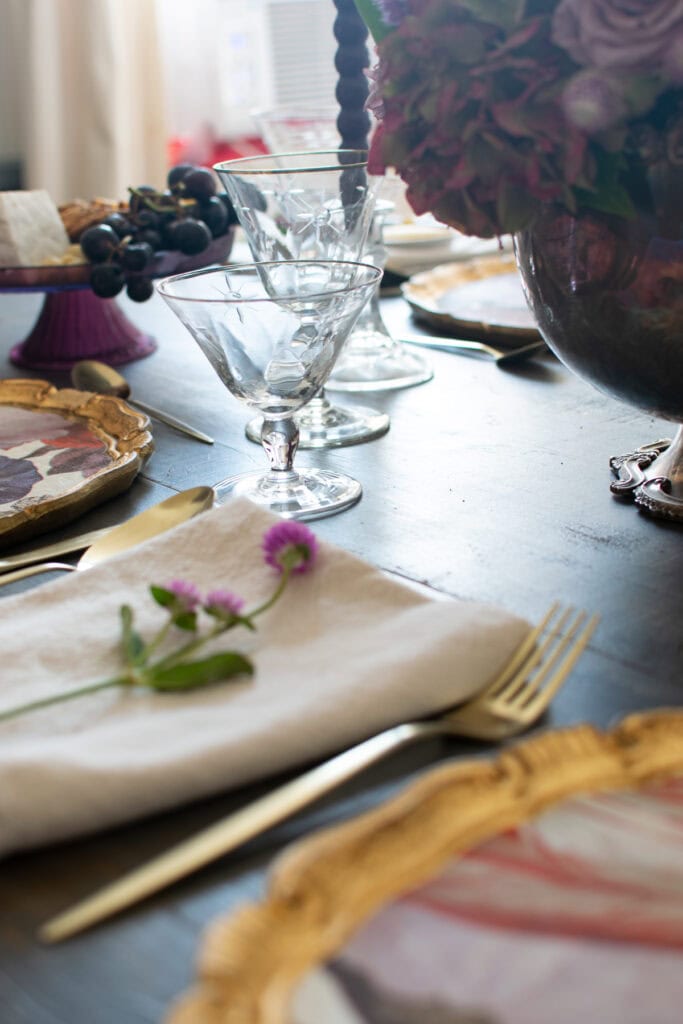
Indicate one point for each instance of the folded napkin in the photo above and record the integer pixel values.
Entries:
(346, 652)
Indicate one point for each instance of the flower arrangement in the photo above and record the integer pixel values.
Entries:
(288, 547)
(490, 108)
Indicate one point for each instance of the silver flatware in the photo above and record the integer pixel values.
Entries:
(502, 357)
(509, 705)
(91, 375)
(149, 523)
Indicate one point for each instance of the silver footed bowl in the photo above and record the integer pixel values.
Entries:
(607, 295)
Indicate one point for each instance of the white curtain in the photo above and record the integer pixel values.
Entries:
(91, 96)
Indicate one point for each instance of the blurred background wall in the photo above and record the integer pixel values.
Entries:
(97, 95)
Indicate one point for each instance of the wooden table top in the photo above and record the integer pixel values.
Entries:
(491, 485)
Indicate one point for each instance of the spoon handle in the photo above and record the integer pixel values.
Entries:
(451, 344)
(171, 421)
(34, 570)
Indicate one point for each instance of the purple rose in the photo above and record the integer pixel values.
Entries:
(638, 36)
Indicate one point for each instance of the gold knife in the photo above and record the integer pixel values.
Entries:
(141, 527)
(58, 547)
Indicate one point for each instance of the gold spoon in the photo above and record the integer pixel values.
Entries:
(91, 375)
(149, 523)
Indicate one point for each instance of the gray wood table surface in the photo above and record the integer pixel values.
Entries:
(490, 485)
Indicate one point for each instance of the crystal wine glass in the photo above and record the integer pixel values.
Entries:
(308, 205)
(272, 332)
(372, 360)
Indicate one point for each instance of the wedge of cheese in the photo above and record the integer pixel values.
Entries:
(31, 230)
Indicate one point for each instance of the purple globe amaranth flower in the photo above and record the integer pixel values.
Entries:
(186, 594)
(594, 101)
(635, 36)
(290, 545)
(223, 604)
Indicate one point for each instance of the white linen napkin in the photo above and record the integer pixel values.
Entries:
(346, 652)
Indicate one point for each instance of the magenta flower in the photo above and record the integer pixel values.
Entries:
(290, 545)
(186, 594)
(223, 604)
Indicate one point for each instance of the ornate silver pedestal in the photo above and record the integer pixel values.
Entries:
(652, 476)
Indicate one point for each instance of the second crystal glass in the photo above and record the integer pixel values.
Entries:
(272, 332)
(309, 205)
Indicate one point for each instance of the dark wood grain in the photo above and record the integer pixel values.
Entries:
(491, 485)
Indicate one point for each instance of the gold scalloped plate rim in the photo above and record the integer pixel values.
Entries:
(323, 888)
(124, 430)
(424, 291)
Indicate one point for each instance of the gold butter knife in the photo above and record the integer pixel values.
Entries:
(58, 547)
(141, 527)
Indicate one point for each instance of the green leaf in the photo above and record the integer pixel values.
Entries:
(503, 13)
(372, 17)
(186, 620)
(515, 208)
(194, 674)
(162, 596)
(133, 644)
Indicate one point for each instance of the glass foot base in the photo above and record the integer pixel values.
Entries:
(372, 362)
(331, 426)
(304, 494)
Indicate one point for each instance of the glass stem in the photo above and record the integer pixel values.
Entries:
(280, 440)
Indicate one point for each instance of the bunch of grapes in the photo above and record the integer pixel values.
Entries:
(185, 217)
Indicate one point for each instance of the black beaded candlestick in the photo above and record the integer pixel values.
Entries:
(351, 58)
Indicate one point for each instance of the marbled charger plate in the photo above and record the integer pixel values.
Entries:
(480, 298)
(62, 452)
(521, 889)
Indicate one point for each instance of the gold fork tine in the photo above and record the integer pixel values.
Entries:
(521, 657)
(526, 684)
(540, 702)
(527, 697)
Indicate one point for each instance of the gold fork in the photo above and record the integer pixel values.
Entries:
(515, 699)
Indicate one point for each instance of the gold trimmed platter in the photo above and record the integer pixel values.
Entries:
(326, 890)
(62, 452)
(478, 298)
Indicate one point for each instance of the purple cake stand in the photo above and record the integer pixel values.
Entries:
(75, 324)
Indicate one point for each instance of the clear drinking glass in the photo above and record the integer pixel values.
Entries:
(372, 359)
(272, 332)
(308, 205)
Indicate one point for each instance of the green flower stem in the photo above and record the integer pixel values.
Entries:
(286, 573)
(47, 701)
(192, 646)
(156, 641)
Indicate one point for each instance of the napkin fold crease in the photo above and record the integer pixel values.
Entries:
(346, 652)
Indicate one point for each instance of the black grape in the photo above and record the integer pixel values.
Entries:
(106, 280)
(139, 289)
(99, 242)
(191, 236)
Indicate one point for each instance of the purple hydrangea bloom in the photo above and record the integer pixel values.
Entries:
(186, 594)
(223, 603)
(290, 545)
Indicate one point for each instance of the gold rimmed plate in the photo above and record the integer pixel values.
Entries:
(480, 298)
(552, 870)
(62, 452)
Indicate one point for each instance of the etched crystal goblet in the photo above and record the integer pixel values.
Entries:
(309, 205)
(272, 332)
